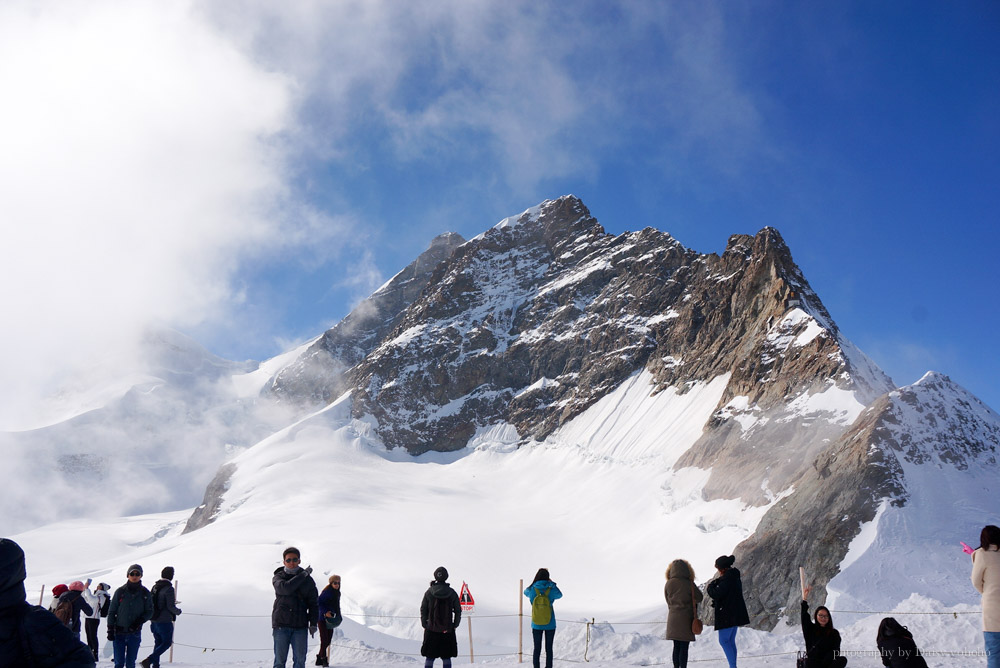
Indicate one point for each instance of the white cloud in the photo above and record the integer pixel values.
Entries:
(140, 166)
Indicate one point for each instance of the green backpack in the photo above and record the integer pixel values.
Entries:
(541, 609)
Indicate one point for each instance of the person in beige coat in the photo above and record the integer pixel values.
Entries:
(986, 580)
(681, 595)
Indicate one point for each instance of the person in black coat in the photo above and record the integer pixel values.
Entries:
(822, 639)
(896, 646)
(726, 592)
(75, 597)
(165, 612)
(31, 636)
(440, 615)
(295, 609)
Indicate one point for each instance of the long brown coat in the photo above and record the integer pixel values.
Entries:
(680, 610)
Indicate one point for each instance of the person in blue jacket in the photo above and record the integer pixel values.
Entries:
(543, 617)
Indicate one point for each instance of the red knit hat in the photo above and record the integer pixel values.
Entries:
(59, 590)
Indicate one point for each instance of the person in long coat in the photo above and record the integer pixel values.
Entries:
(726, 592)
(440, 615)
(682, 598)
(986, 580)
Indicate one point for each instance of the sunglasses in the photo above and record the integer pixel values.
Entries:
(135, 574)
(336, 582)
(292, 560)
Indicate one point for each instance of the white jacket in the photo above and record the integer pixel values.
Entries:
(986, 580)
(95, 600)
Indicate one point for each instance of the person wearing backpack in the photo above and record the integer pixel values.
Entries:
(541, 592)
(30, 635)
(99, 602)
(71, 604)
(131, 607)
(440, 615)
(165, 611)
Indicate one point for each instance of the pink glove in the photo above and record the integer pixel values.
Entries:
(966, 548)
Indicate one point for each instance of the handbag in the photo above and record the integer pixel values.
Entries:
(696, 626)
(800, 661)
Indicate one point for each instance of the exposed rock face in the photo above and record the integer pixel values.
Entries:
(317, 377)
(542, 315)
(209, 508)
(933, 421)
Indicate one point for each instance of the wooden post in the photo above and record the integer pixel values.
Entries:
(802, 582)
(520, 622)
(171, 659)
(472, 656)
(41, 595)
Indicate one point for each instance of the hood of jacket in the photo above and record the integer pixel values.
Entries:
(440, 589)
(12, 574)
(542, 585)
(678, 569)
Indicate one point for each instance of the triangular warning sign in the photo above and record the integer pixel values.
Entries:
(465, 598)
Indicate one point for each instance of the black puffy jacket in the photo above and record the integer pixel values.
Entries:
(295, 600)
(726, 592)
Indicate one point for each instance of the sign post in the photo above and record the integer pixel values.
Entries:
(468, 607)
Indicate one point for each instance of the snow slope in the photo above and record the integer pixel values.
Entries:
(598, 503)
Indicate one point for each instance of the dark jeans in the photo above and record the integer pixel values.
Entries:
(680, 656)
(127, 648)
(163, 637)
(429, 662)
(91, 626)
(536, 655)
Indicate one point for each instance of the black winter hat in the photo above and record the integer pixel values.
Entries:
(135, 567)
(167, 573)
(725, 562)
(440, 573)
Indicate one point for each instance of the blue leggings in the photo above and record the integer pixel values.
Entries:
(727, 638)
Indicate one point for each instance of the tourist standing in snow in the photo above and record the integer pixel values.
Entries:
(440, 615)
(822, 639)
(896, 647)
(329, 618)
(986, 580)
(99, 602)
(57, 591)
(30, 634)
(682, 600)
(165, 611)
(131, 607)
(541, 592)
(74, 596)
(295, 609)
(726, 592)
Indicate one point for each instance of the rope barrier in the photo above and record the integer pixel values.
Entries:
(364, 615)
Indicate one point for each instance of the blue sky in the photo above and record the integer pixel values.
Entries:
(246, 172)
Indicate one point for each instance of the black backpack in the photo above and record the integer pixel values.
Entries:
(440, 615)
(106, 605)
(155, 593)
